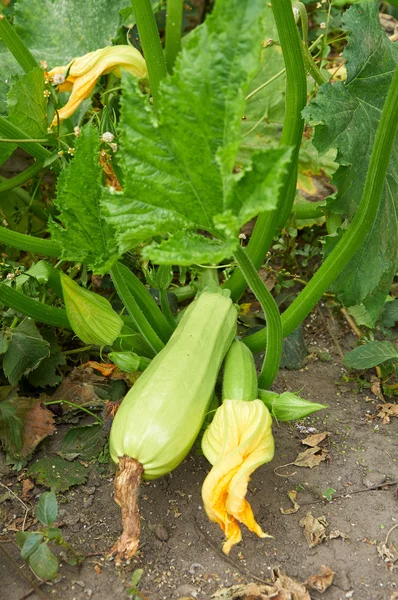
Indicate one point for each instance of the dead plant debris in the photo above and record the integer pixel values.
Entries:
(315, 439)
(314, 529)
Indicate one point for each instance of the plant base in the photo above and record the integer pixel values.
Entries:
(126, 484)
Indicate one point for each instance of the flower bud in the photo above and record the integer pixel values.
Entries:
(288, 406)
(91, 316)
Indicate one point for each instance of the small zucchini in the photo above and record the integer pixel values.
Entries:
(240, 377)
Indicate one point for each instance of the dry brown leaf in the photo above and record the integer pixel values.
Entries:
(322, 581)
(387, 411)
(27, 485)
(38, 423)
(79, 387)
(106, 369)
(311, 457)
(386, 553)
(315, 439)
(337, 534)
(292, 495)
(376, 388)
(283, 588)
(314, 529)
(394, 596)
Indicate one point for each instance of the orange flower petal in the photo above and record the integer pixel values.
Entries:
(238, 441)
(84, 71)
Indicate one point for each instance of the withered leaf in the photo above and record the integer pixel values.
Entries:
(106, 369)
(315, 439)
(337, 534)
(314, 529)
(27, 486)
(389, 555)
(283, 588)
(322, 581)
(376, 388)
(311, 457)
(38, 424)
(387, 411)
(292, 495)
(81, 387)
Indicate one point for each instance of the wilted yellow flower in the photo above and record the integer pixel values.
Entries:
(236, 443)
(81, 74)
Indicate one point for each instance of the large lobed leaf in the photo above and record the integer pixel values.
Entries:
(347, 116)
(84, 234)
(179, 164)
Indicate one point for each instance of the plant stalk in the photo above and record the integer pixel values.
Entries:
(174, 14)
(21, 178)
(134, 310)
(296, 95)
(32, 308)
(355, 235)
(151, 45)
(29, 243)
(274, 327)
(16, 46)
(10, 131)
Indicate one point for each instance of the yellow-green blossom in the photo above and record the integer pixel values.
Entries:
(81, 74)
(238, 440)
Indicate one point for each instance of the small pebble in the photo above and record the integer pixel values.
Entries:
(87, 503)
(373, 479)
(161, 533)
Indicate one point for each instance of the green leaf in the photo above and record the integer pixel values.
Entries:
(370, 355)
(21, 537)
(56, 31)
(86, 441)
(43, 563)
(390, 313)
(46, 374)
(57, 473)
(265, 109)
(294, 350)
(53, 533)
(11, 427)
(84, 234)
(47, 508)
(347, 116)
(186, 248)
(3, 342)
(25, 351)
(180, 164)
(31, 544)
(27, 108)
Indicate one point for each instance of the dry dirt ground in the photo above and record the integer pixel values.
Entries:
(180, 551)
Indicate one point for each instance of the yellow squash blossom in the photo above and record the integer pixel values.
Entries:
(238, 440)
(81, 74)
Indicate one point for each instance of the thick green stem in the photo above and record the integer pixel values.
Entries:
(21, 178)
(151, 45)
(354, 236)
(274, 327)
(29, 243)
(309, 210)
(173, 32)
(10, 131)
(296, 95)
(16, 46)
(183, 293)
(138, 315)
(166, 310)
(146, 302)
(32, 308)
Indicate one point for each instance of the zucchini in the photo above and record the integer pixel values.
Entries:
(240, 377)
(161, 416)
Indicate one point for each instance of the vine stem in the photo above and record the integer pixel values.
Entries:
(23, 177)
(173, 31)
(16, 46)
(151, 45)
(29, 243)
(274, 327)
(296, 96)
(354, 236)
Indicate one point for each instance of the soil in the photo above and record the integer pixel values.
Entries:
(180, 550)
